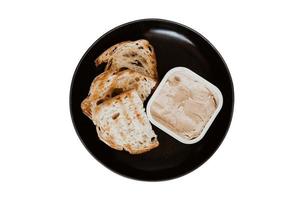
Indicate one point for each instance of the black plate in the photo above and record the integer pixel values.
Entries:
(175, 45)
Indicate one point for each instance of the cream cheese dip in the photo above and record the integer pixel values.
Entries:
(184, 104)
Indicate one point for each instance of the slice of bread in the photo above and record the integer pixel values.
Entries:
(122, 124)
(137, 55)
(99, 87)
(110, 84)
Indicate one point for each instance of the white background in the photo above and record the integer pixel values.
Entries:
(41, 156)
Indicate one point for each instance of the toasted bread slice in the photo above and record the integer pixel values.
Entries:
(122, 124)
(110, 84)
(137, 55)
(99, 87)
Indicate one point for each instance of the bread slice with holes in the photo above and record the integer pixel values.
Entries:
(137, 55)
(111, 83)
(122, 124)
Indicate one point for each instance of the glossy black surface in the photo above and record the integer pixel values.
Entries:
(175, 45)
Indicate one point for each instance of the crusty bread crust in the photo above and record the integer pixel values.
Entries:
(137, 55)
(142, 150)
(106, 55)
(128, 147)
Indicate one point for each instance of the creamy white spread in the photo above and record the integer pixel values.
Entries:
(184, 105)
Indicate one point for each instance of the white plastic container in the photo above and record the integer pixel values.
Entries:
(215, 91)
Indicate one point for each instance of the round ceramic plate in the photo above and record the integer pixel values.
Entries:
(174, 45)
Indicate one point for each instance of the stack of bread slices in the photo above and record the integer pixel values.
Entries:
(116, 96)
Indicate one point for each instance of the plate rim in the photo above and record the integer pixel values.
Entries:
(168, 22)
